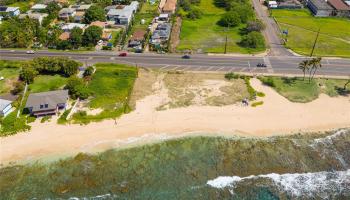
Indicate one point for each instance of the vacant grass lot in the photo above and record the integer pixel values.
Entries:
(299, 90)
(9, 70)
(45, 83)
(111, 87)
(334, 38)
(205, 35)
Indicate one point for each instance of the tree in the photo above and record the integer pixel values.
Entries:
(315, 65)
(88, 71)
(94, 13)
(76, 37)
(52, 38)
(52, 8)
(304, 66)
(256, 25)
(92, 35)
(194, 13)
(77, 88)
(28, 73)
(253, 40)
(229, 19)
(346, 84)
(244, 11)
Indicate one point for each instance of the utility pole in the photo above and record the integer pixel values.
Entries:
(225, 45)
(313, 47)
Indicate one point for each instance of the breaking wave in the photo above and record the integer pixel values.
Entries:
(322, 184)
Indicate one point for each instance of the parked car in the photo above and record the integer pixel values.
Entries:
(261, 65)
(30, 52)
(186, 57)
(123, 54)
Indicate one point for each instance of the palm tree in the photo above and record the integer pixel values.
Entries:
(317, 65)
(304, 66)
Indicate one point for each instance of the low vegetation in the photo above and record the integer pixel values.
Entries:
(298, 90)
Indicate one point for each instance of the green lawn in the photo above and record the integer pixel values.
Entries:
(111, 86)
(204, 34)
(334, 38)
(44, 83)
(299, 90)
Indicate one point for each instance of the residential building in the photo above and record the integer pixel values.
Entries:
(38, 8)
(161, 34)
(80, 8)
(66, 13)
(99, 24)
(38, 16)
(5, 107)
(169, 7)
(67, 27)
(47, 103)
(6, 11)
(137, 38)
(340, 8)
(273, 4)
(64, 36)
(124, 15)
(79, 17)
(290, 4)
(320, 8)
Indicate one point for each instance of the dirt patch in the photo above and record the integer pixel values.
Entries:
(144, 85)
(175, 34)
(202, 89)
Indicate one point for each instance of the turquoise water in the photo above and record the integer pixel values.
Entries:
(291, 167)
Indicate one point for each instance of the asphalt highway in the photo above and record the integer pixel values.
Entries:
(198, 62)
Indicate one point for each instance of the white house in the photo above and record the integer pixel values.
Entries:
(273, 4)
(123, 15)
(38, 7)
(69, 26)
(5, 107)
(10, 11)
(66, 13)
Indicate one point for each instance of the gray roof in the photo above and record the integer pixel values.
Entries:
(4, 103)
(321, 4)
(51, 98)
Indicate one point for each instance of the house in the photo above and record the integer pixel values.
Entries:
(137, 38)
(64, 36)
(38, 16)
(38, 8)
(161, 34)
(9, 11)
(80, 8)
(320, 8)
(123, 15)
(273, 4)
(66, 13)
(79, 17)
(47, 103)
(5, 107)
(169, 7)
(340, 8)
(67, 27)
(290, 4)
(163, 17)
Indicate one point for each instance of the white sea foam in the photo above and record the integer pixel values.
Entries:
(299, 184)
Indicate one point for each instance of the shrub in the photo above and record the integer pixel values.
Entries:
(256, 25)
(63, 117)
(106, 48)
(194, 13)
(231, 75)
(88, 71)
(19, 87)
(251, 90)
(258, 103)
(77, 88)
(230, 19)
(45, 119)
(253, 40)
(268, 81)
(260, 94)
(11, 124)
(28, 73)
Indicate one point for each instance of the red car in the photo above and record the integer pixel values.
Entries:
(123, 54)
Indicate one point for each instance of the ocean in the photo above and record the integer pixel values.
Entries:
(301, 166)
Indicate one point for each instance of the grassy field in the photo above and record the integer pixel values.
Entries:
(111, 86)
(205, 35)
(334, 38)
(44, 83)
(9, 70)
(299, 90)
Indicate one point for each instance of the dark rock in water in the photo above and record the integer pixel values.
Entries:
(308, 166)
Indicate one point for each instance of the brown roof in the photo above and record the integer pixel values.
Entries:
(338, 4)
(170, 6)
(64, 36)
(106, 35)
(138, 35)
(80, 13)
(98, 23)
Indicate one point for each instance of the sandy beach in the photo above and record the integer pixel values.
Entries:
(276, 116)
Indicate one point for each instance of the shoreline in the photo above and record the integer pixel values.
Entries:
(277, 116)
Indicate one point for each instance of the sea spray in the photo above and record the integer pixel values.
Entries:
(318, 184)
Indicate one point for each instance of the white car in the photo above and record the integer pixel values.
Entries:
(30, 52)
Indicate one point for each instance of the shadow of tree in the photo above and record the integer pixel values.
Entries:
(341, 91)
(289, 81)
